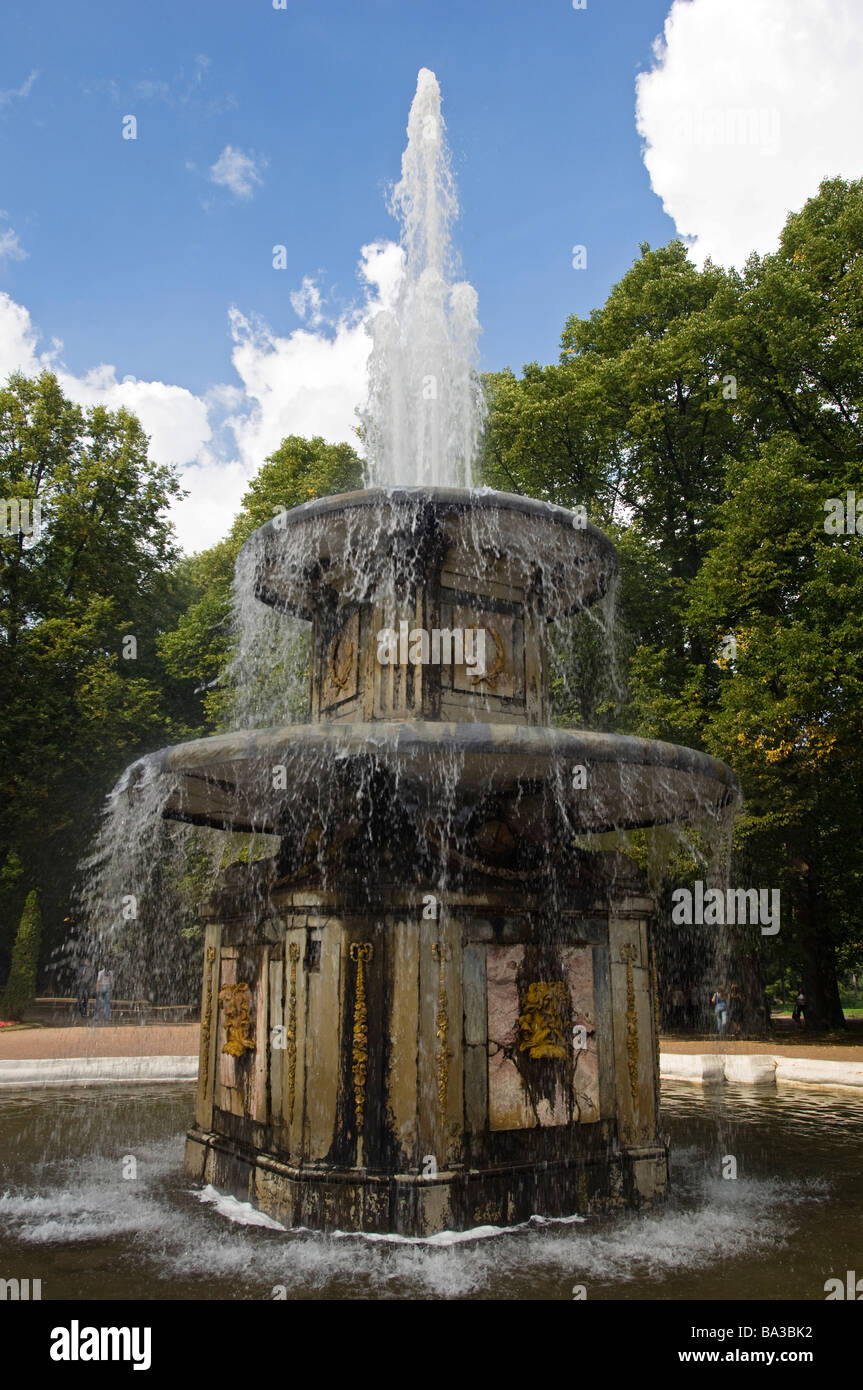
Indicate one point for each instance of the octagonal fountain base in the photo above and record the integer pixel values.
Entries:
(369, 1068)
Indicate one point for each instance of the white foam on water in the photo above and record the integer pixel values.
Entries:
(242, 1212)
(457, 1237)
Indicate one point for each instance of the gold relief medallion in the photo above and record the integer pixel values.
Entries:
(339, 666)
(236, 1003)
(542, 1020)
(342, 663)
(493, 671)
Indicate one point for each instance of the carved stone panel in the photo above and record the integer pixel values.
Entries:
(341, 662)
(542, 1058)
(504, 655)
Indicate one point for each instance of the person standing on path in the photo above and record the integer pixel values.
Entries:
(694, 1007)
(83, 989)
(678, 1006)
(735, 1011)
(104, 982)
(720, 1008)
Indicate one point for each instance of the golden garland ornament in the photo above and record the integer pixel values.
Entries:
(627, 955)
(361, 952)
(442, 953)
(207, 1016)
(291, 1031)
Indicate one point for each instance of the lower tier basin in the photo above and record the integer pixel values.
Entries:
(242, 781)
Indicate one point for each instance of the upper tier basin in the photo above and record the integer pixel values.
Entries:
(350, 542)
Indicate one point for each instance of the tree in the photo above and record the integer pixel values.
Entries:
(20, 988)
(713, 414)
(82, 600)
(782, 598)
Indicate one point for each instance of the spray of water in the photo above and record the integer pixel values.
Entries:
(425, 411)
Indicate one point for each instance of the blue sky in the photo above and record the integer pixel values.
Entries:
(131, 255)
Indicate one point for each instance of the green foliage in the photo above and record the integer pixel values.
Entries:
(73, 711)
(20, 988)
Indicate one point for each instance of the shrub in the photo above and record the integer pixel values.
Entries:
(20, 988)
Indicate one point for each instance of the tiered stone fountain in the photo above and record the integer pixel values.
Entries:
(431, 1009)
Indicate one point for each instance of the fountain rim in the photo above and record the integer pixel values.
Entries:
(548, 750)
(444, 500)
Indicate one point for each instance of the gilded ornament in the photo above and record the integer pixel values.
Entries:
(339, 677)
(206, 1016)
(627, 955)
(496, 669)
(360, 952)
(291, 1031)
(655, 1006)
(442, 953)
(236, 1002)
(542, 1021)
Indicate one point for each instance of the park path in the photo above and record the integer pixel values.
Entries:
(102, 1040)
(784, 1046)
(181, 1040)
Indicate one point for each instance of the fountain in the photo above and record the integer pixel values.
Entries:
(435, 1006)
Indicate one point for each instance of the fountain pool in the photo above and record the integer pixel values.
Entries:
(778, 1231)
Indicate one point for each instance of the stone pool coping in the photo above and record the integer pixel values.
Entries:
(759, 1069)
(82, 1071)
(117, 1054)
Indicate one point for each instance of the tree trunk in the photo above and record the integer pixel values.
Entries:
(817, 953)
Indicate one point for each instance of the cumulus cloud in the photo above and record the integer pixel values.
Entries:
(237, 171)
(19, 342)
(10, 247)
(749, 105)
(308, 382)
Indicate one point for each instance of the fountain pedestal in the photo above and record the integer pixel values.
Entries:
(414, 1074)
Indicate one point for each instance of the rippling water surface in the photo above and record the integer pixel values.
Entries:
(791, 1219)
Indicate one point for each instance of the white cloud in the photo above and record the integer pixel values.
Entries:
(309, 382)
(19, 341)
(749, 105)
(19, 93)
(306, 302)
(10, 247)
(175, 419)
(237, 171)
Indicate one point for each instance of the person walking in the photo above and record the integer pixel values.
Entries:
(799, 1014)
(720, 1008)
(104, 983)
